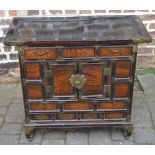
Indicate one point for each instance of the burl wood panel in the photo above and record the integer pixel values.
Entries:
(114, 115)
(90, 116)
(44, 106)
(61, 76)
(40, 53)
(115, 51)
(93, 74)
(34, 91)
(32, 71)
(40, 117)
(77, 52)
(121, 89)
(112, 105)
(122, 69)
(66, 116)
(78, 106)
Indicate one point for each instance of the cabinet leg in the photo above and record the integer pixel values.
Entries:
(127, 130)
(29, 132)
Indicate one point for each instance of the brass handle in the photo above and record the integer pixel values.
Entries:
(77, 81)
(115, 50)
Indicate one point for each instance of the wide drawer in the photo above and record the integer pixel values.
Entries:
(58, 53)
(114, 51)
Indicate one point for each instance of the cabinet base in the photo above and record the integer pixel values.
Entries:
(125, 127)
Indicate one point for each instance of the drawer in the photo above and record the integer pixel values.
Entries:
(115, 116)
(114, 51)
(40, 117)
(40, 53)
(69, 53)
(39, 107)
(109, 106)
(78, 106)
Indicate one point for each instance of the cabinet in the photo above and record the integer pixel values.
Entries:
(77, 71)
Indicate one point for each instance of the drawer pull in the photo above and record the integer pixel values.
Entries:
(116, 50)
(77, 81)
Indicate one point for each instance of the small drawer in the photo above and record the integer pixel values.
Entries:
(78, 106)
(32, 70)
(40, 53)
(40, 117)
(114, 51)
(115, 115)
(34, 91)
(43, 106)
(69, 53)
(66, 116)
(107, 106)
(90, 116)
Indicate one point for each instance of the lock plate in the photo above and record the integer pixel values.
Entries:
(77, 81)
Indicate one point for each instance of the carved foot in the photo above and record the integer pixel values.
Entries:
(29, 132)
(127, 130)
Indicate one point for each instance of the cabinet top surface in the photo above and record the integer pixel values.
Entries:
(70, 30)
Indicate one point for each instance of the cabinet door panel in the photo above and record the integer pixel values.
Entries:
(34, 91)
(121, 89)
(32, 70)
(61, 76)
(122, 68)
(94, 79)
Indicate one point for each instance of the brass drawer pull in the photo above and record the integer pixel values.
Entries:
(116, 50)
(77, 81)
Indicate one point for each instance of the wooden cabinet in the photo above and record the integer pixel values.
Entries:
(72, 77)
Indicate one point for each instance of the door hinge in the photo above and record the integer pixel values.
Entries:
(107, 71)
(47, 73)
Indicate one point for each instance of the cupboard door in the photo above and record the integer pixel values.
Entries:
(93, 73)
(61, 75)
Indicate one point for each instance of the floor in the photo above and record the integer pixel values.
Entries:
(143, 118)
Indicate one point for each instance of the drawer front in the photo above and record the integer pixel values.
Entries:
(78, 111)
(114, 51)
(69, 53)
(40, 53)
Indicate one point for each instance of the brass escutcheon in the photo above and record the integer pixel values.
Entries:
(77, 81)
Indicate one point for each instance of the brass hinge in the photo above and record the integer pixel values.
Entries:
(49, 89)
(107, 71)
(47, 73)
(106, 89)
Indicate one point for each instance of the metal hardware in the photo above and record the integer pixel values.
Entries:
(107, 71)
(47, 73)
(77, 81)
(115, 50)
(49, 89)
